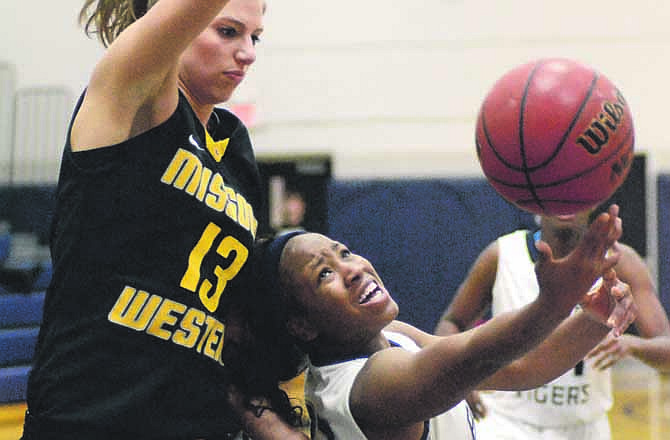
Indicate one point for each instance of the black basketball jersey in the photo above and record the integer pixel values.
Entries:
(149, 244)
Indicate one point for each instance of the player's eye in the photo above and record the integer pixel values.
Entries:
(227, 31)
(255, 39)
(323, 274)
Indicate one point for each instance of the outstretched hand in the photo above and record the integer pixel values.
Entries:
(611, 303)
(610, 351)
(564, 281)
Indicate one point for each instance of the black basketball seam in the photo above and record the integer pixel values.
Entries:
(522, 146)
(561, 143)
(586, 203)
(491, 146)
(622, 144)
(588, 170)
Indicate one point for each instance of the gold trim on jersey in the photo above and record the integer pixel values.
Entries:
(216, 148)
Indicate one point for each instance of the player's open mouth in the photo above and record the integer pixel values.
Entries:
(371, 291)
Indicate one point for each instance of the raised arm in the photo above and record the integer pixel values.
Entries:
(652, 346)
(134, 85)
(399, 388)
(570, 342)
(473, 297)
(564, 347)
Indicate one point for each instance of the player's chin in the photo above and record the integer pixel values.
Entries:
(393, 308)
(225, 92)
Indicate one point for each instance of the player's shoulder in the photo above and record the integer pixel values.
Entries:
(631, 267)
(628, 255)
(515, 239)
(517, 234)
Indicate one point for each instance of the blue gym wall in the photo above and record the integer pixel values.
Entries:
(423, 235)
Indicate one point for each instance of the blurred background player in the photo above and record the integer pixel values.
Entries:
(574, 406)
(294, 208)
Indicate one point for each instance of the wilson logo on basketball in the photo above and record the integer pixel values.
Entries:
(596, 136)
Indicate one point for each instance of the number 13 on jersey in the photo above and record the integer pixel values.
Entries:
(193, 280)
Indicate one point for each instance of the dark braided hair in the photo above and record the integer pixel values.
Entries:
(265, 355)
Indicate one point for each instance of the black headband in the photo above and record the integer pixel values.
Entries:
(273, 255)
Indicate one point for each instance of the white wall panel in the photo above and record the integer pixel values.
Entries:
(355, 77)
(7, 88)
(41, 119)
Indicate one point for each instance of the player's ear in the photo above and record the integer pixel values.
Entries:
(301, 328)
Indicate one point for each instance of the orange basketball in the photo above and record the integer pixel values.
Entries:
(555, 137)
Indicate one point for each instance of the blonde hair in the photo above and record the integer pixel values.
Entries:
(108, 18)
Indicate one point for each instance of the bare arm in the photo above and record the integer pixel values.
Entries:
(134, 86)
(397, 388)
(473, 296)
(653, 345)
(561, 350)
(569, 343)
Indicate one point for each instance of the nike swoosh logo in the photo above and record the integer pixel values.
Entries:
(194, 142)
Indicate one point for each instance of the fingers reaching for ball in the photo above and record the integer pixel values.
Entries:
(566, 280)
(611, 303)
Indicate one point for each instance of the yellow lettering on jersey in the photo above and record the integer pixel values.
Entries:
(231, 204)
(243, 212)
(227, 246)
(193, 281)
(169, 320)
(187, 173)
(191, 278)
(216, 148)
(214, 337)
(204, 181)
(188, 334)
(217, 197)
(184, 168)
(211, 325)
(248, 216)
(132, 309)
(164, 316)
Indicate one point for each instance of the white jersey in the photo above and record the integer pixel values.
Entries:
(582, 394)
(328, 387)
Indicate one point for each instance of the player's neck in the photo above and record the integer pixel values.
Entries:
(562, 241)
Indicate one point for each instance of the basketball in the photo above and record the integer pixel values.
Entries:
(555, 137)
